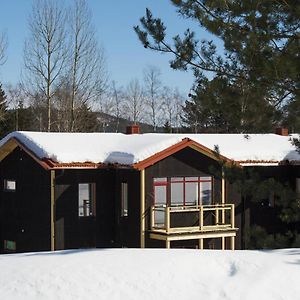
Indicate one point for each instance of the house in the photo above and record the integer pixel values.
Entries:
(79, 190)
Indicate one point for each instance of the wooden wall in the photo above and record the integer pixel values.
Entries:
(25, 213)
(187, 162)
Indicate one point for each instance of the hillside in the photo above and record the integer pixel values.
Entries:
(151, 274)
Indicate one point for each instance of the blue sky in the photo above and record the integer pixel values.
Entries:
(114, 21)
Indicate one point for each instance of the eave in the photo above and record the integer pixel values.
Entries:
(186, 142)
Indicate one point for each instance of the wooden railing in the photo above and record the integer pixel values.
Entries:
(222, 217)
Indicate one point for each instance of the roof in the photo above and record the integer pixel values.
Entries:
(94, 149)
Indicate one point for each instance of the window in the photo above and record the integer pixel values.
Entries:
(9, 185)
(9, 245)
(124, 199)
(181, 191)
(86, 199)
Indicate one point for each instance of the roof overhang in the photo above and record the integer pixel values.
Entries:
(185, 143)
(46, 163)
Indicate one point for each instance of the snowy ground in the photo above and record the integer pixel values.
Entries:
(151, 274)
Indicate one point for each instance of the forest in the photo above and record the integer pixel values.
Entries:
(250, 85)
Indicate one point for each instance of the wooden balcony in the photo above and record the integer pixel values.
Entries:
(205, 221)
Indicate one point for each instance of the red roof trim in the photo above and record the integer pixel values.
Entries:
(186, 142)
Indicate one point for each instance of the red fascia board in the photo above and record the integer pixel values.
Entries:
(186, 142)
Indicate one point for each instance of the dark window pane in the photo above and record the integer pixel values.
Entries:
(205, 193)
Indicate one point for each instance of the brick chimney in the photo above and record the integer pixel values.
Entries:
(282, 131)
(133, 129)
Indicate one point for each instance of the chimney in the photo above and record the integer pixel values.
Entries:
(133, 129)
(282, 131)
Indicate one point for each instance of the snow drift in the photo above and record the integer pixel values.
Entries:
(151, 274)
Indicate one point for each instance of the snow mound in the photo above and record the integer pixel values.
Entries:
(151, 274)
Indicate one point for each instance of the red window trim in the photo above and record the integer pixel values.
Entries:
(171, 180)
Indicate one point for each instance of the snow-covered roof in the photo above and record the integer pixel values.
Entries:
(129, 149)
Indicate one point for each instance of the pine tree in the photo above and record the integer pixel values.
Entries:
(261, 42)
(3, 111)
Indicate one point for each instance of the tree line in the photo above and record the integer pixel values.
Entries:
(65, 80)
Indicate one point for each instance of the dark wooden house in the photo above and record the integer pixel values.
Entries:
(77, 190)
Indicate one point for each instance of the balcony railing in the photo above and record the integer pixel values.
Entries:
(215, 217)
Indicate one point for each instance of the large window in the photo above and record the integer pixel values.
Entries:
(86, 199)
(180, 191)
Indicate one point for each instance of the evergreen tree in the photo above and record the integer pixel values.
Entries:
(261, 45)
(219, 106)
(3, 111)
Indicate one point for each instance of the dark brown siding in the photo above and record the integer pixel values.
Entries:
(186, 162)
(25, 213)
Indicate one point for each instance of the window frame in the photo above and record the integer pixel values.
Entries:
(184, 180)
(92, 199)
(124, 199)
(5, 185)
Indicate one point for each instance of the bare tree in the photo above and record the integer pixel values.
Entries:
(3, 46)
(134, 103)
(118, 98)
(88, 76)
(45, 51)
(152, 90)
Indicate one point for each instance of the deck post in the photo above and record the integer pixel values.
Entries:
(217, 216)
(168, 244)
(52, 209)
(223, 196)
(201, 218)
(167, 218)
(152, 217)
(232, 215)
(201, 244)
(223, 243)
(142, 209)
(232, 242)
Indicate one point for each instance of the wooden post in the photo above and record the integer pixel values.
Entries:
(232, 242)
(167, 218)
(168, 244)
(232, 216)
(217, 216)
(201, 244)
(52, 209)
(223, 196)
(142, 209)
(152, 217)
(223, 243)
(201, 218)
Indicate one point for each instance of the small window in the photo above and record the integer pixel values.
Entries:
(9, 245)
(9, 185)
(124, 199)
(86, 199)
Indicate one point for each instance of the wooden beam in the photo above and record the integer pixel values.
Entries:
(223, 193)
(52, 203)
(223, 242)
(168, 243)
(232, 242)
(201, 244)
(142, 209)
(167, 218)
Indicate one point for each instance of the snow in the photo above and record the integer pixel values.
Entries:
(151, 274)
(130, 149)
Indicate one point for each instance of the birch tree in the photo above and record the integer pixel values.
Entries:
(3, 46)
(87, 71)
(45, 52)
(152, 90)
(134, 103)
